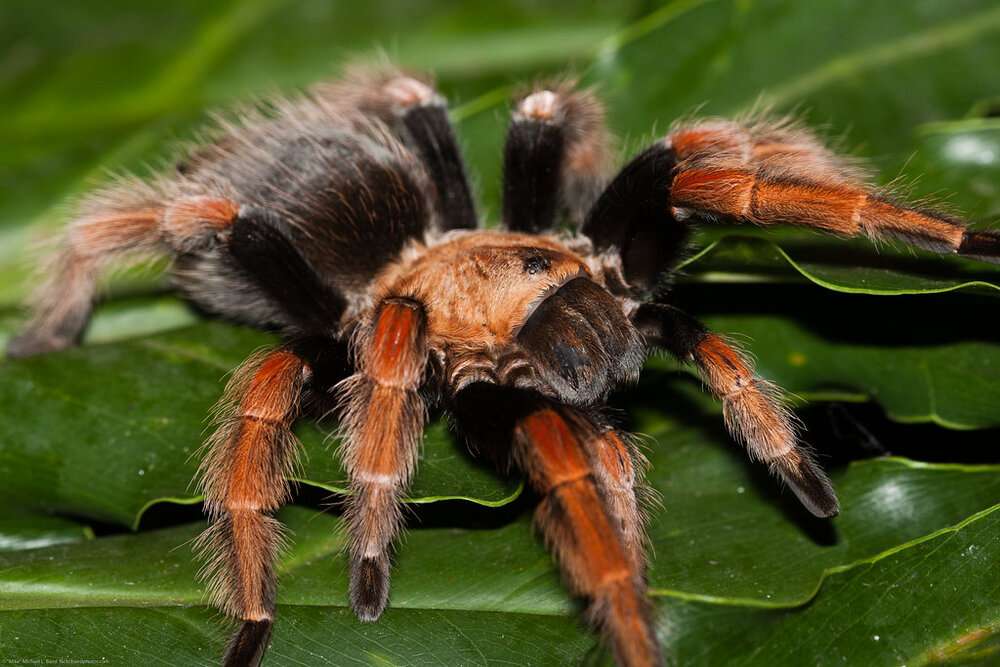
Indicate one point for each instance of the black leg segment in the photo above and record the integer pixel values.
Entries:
(247, 648)
(670, 329)
(431, 135)
(263, 247)
(984, 246)
(533, 160)
(556, 160)
(632, 218)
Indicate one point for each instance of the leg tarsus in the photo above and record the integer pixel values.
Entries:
(248, 645)
(809, 484)
(31, 343)
(369, 587)
(984, 246)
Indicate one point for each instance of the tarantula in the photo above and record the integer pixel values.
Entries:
(344, 218)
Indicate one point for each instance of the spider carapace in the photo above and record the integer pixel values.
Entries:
(344, 219)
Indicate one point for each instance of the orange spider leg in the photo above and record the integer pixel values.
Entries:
(250, 457)
(754, 143)
(550, 447)
(383, 422)
(115, 224)
(614, 462)
(751, 406)
(756, 417)
(764, 197)
(779, 173)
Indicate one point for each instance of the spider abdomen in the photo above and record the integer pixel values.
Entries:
(333, 192)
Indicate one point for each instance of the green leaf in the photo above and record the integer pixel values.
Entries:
(726, 536)
(133, 415)
(854, 267)
(823, 346)
(879, 69)
(30, 531)
(731, 535)
(932, 603)
(963, 157)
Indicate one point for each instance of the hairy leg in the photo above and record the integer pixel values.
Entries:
(383, 420)
(755, 171)
(634, 234)
(573, 517)
(754, 414)
(127, 222)
(418, 114)
(589, 515)
(767, 173)
(556, 158)
(617, 465)
(617, 470)
(261, 243)
(244, 479)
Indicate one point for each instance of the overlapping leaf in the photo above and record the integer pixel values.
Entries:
(477, 597)
(923, 359)
(931, 603)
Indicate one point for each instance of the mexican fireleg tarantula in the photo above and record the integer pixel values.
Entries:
(345, 216)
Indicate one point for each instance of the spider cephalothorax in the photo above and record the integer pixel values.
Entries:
(345, 217)
(517, 310)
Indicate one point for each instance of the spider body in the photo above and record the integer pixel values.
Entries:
(344, 218)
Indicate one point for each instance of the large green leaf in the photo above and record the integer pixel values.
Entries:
(139, 429)
(31, 531)
(931, 603)
(731, 535)
(496, 593)
(854, 266)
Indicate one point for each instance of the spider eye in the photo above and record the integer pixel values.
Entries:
(536, 264)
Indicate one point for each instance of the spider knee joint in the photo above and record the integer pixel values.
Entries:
(378, 479)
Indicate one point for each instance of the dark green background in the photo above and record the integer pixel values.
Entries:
(884, 346)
